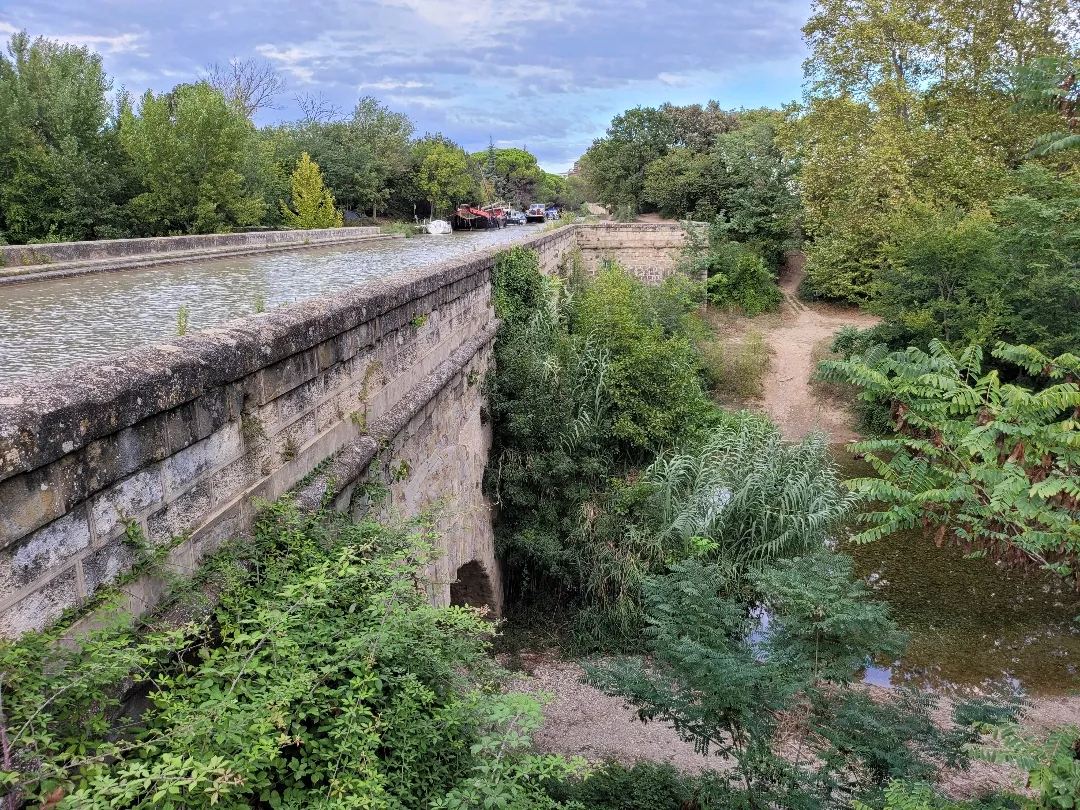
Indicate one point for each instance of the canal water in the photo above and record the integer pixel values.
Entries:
(972, 623)
(47, 325)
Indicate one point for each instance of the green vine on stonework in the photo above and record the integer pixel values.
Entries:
(318, 676)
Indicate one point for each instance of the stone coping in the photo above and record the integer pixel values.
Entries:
(28, 274)
(46, 418)
(49, 252)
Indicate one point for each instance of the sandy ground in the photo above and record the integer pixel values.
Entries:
(787, 395)
(582, 721)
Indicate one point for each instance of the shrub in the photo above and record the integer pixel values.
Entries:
(322, 677)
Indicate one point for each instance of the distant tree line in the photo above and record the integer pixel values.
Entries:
(79, 161)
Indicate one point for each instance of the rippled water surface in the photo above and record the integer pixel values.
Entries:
(47, 325)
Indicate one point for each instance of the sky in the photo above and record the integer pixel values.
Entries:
(544, 74)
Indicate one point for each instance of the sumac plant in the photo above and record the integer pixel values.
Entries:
(994, 466)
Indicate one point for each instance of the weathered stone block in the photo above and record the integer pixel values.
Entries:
(297, 401)
(289, 373)
(183, 514)
(43, 551)
(183, 469)
(38, 609)
(105, 564)
(130, 498)
(29, 501)
(117, 455)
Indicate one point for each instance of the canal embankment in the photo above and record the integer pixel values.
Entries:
(22, 264)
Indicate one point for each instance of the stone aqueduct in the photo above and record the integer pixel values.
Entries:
(182, 439)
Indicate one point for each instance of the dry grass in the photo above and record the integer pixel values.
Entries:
(735, 369)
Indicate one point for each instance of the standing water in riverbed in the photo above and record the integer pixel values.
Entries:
(47, 325)
(972, 622)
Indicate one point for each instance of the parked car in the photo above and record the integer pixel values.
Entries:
(552, 213)
(515, 217)
(536, 213)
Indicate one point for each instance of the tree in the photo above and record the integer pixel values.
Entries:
(723, 680)
(189, 146)
(315, 108)
(313, 203)
(617, 162)
(1048, 85)
(942, 279)
(991, 465)
(752, 497)
(249, 84)
(442, 173)
(62, 173)
(908, 101)
(384, 134)
(514, 174)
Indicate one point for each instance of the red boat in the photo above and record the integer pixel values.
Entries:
(467, 218)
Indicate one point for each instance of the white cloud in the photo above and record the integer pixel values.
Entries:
(293, 60)
(674, 79)
(119, 43)
(390, 84)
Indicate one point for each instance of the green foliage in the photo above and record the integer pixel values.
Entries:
(312, 201)
(506, 774)
(735, 371)
(188, 146)
(942, 279)
(723, 682)
(513, 173)
(1011, 273)
(183, 316)
(519, 289)
(587, 382)
(754, 497)
(644, 787)
(1051, 764)
(617, 163)
(736, 275)
(656, 396)
(1048, 85)
(908, 103)
(320, 677)
(989, 464)
(62, 172)
(442, 174)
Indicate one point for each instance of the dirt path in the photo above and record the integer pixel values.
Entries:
(801, 328)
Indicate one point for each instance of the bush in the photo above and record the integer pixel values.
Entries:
(322, 677)
(644, 787)
(587, 384)
(657, 400)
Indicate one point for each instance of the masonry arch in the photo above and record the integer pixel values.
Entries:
(472, 586)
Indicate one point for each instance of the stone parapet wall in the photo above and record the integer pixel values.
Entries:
(179, 440)
(52, 253)
(175, 443)
(649, 251)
